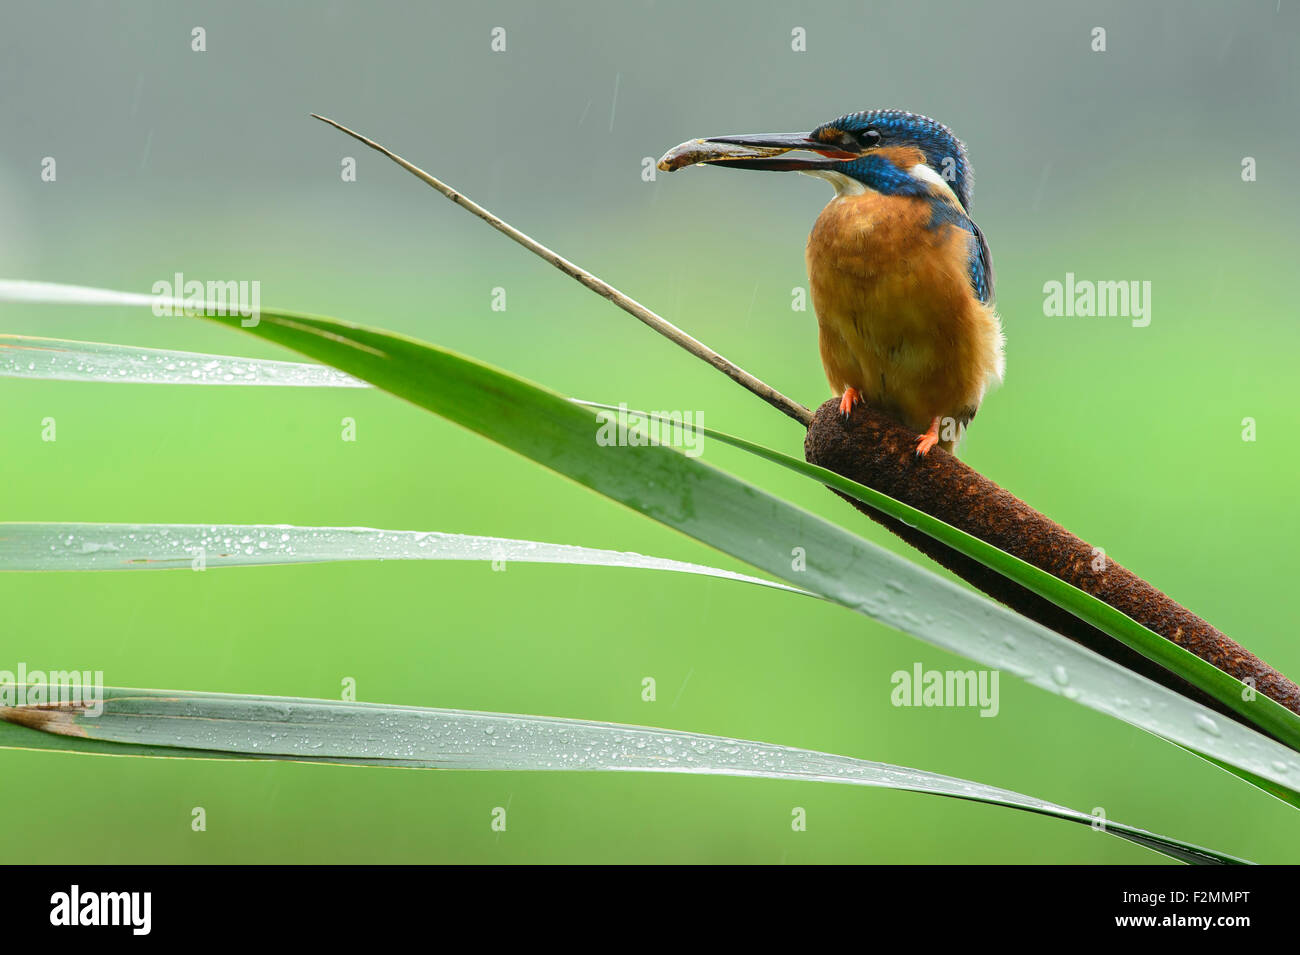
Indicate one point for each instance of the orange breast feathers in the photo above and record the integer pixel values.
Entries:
(898, 318)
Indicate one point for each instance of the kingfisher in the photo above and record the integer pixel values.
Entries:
(901, 277)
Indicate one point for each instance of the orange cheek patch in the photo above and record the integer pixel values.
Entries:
(904, 157)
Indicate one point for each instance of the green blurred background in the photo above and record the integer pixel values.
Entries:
(1122, 165)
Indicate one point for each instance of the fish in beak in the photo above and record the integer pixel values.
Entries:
(757, 151)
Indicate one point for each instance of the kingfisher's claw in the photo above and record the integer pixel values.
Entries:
(928, 440)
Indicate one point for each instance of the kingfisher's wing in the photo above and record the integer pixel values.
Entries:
(981, 265)
(945, 211)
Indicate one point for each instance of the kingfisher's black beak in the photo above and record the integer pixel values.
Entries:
(755, 151)
(782, 141)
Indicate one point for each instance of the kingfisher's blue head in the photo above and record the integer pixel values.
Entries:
(889, 150)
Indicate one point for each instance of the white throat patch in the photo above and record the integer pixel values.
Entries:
(843, 185)
(937, 183)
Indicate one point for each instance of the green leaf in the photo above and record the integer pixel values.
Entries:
(55, 359)
(178, 724)
(64, 547)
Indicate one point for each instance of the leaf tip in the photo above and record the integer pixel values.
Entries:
(58, 718)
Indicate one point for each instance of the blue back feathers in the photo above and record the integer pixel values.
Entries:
(980, 268)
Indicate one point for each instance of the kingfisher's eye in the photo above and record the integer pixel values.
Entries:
(866, 138)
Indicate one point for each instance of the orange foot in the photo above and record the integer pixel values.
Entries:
(848, 400)
(928, 440)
